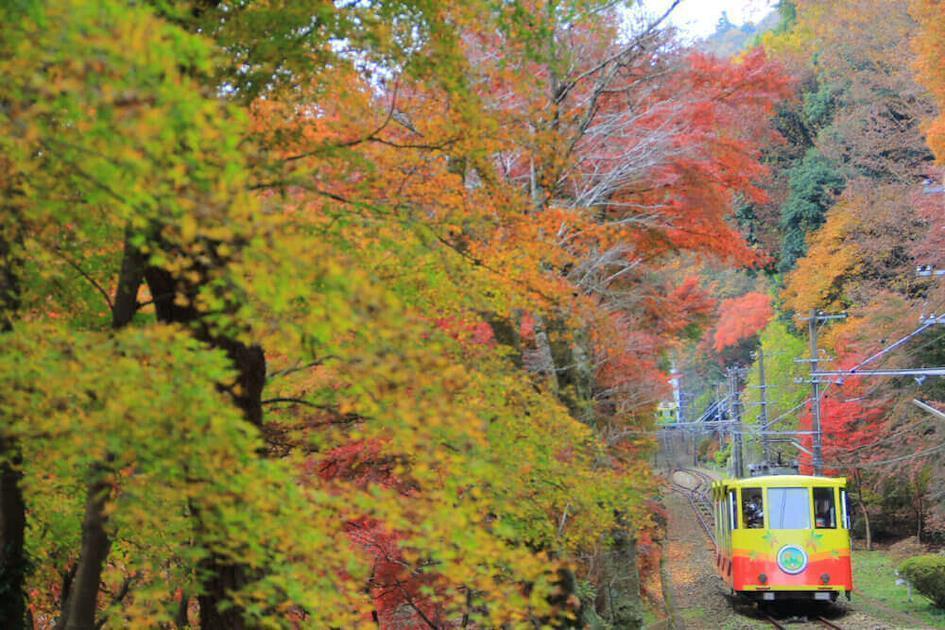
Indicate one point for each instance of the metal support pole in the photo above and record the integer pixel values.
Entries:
(763, 412)
(818, 455)
(738, 439)
(718, 414)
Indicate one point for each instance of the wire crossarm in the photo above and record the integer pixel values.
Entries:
(929, 371)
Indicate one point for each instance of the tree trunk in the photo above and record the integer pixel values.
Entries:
(82, 603)
(541, 360)
(866, 524)
(220, 576)
(180, 619)
(125, 304)
(12, 529)
(618, 600)
(223, 576)
(505, 330)
(13, 560)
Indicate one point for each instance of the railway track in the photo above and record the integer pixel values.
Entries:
(696, 486)
(826, 623)
(699, 497)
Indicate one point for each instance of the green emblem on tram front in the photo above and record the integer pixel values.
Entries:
(792, 559)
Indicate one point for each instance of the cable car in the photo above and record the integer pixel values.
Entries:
(782, 537)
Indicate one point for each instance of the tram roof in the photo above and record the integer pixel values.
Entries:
(782, 480)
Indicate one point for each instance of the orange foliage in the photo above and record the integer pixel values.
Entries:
(929, 46)
(817, 282)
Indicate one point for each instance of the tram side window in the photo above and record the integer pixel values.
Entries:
(788, 508)
(825, 509)
(847, 510)
(753, 513)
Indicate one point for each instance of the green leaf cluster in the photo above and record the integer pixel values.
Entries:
(814, 185)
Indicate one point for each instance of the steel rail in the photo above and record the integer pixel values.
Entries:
(827, 623)
(698, 498)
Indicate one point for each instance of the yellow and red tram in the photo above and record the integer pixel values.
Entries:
(783, 537)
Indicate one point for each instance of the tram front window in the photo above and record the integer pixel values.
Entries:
(753, 513)
(825, 509)
(789, 508)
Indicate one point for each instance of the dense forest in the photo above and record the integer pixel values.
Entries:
(854, 205)
(334, 314)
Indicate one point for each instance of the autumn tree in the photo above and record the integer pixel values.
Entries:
(741, 318)
(193, 231)
(321, 315)
(858, 114)
(928, 44)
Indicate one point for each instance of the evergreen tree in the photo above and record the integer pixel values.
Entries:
(813, 184)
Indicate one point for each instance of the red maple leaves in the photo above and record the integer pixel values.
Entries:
(740, 318)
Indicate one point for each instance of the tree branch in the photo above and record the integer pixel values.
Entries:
(98, 287)
(295, 401)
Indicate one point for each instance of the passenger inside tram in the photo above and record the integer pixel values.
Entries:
(753, 508)
(825, 513)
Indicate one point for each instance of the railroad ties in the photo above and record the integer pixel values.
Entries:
(699, 497)
(818, 620)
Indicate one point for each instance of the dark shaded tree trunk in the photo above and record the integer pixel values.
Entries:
(125, 304)
(249, 361)
(219, 576)
(13, 560)
(180, 619)
(567, 615)
(618, 599)
(506, 333)
(82, 602)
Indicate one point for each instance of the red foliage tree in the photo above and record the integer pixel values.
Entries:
(850, 422)
(740, 318)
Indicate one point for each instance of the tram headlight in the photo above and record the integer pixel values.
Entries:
(763, 578)
(825, 578)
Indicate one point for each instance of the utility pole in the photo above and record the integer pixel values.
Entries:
(815, 399)
(718, 414)
(737, 437)
(763, 412)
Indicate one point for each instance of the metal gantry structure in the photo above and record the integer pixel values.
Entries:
(726, 411)
(813, 321)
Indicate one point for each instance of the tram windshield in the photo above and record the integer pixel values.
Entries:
(789, 508)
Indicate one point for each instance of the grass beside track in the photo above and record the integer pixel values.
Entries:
(874, 578)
